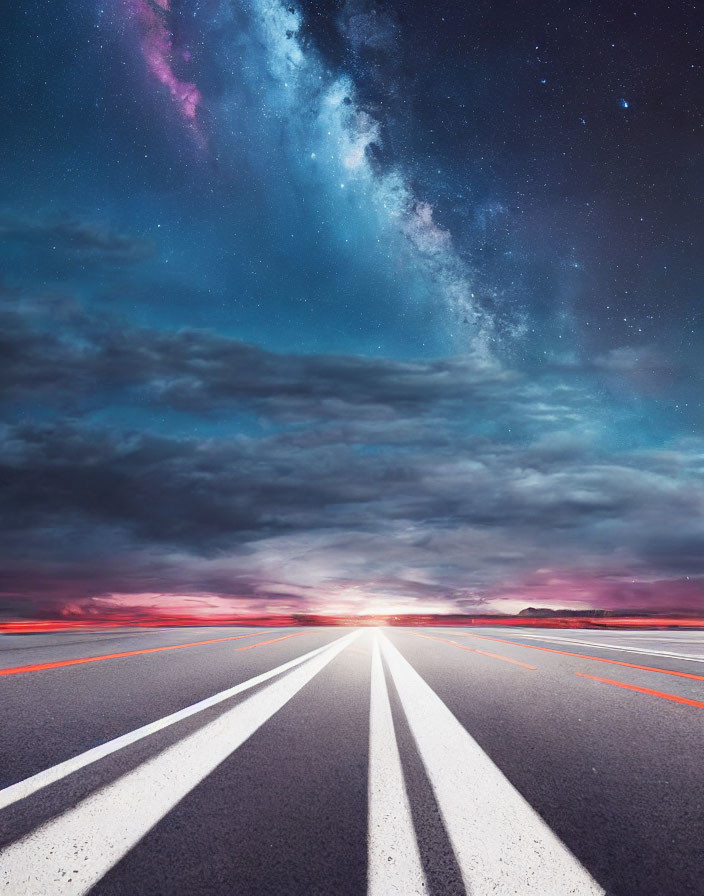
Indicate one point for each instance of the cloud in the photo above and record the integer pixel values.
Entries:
(199, 371)
(361, 479)
(609, 589)
(457, 522)
(644, 369)
(76, 237)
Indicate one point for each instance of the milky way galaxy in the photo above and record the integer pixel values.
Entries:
(350, 307)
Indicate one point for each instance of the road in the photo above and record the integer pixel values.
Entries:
(352, 761)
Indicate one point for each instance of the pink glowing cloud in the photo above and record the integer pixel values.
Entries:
(606, 590)
(156, 41)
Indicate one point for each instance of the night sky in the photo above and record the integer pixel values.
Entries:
(351, 306)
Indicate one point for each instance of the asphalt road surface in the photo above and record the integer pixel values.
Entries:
(343, 761)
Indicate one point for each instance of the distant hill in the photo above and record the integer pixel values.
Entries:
(542, 612)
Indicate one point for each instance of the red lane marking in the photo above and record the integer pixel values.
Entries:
(496, 656)
(273, 640)
(499, 657)
(584, 656)
(40, 667)
(635, 687)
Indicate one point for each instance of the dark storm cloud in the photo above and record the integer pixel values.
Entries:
(53, 351)
(451, 477)
(467, 516)
(79, 239)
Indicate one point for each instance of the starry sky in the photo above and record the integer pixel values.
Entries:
(351, 307)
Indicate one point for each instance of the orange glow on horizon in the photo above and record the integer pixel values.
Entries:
(147, 620)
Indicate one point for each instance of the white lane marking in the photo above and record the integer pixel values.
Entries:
(640, 650)
(688, 637)
(22, 789)
(642, 636)
(535, 631)
(699, 641)
(394, 865)
(501, 843)
(71, 853)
